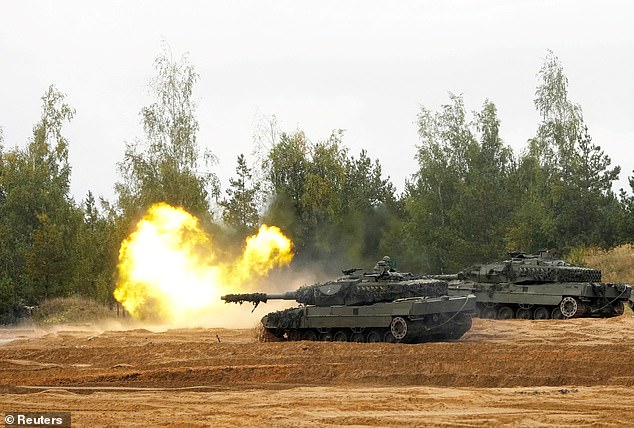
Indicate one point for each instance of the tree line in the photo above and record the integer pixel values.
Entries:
(471, 198)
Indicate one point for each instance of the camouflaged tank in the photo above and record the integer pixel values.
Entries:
(392, 307)
(538, 287)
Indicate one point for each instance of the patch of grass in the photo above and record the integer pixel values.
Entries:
(64, 310)
(617, 264)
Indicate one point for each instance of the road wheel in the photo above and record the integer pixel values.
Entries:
(374, 337)
(325, 337)
(294, 335)
(340, 336)
(398, 327)
(357, 337)
(523, 313)
(556, 314)
(505, 313)
(310, 335)
(541, 313)
(489, 313)
(388, 337)
(568, 307)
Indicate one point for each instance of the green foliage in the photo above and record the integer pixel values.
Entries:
(97, 247)
(286, 169)
(625, 216)
(75, 309)
(457, 203)
(584, 200)
(533, 217)
(240, 208)
(49, 247)
(8, 299)
(46, 266)
(167, 165)
(38, 220)
(562, 120)
(564, 180)
(332, 204)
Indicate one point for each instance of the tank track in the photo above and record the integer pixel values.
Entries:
(435, 327)
(570, 307)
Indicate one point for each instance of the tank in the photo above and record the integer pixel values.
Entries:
(538, 286)
(367, 308)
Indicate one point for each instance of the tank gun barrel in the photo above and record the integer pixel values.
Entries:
(257, 298)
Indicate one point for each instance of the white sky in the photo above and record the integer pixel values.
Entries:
(364, 66)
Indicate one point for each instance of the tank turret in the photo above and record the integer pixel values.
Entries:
(352, 290)
(372, 307)
(524, 268)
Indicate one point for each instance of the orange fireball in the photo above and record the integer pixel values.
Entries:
(169, 272)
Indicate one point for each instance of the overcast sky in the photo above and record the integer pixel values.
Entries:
(363, 66)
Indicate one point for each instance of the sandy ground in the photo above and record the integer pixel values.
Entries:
(502, 373)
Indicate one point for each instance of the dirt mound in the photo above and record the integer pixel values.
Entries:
(537, 361)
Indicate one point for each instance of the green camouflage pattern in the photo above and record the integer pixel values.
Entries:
(386, 307)
(538, 287)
